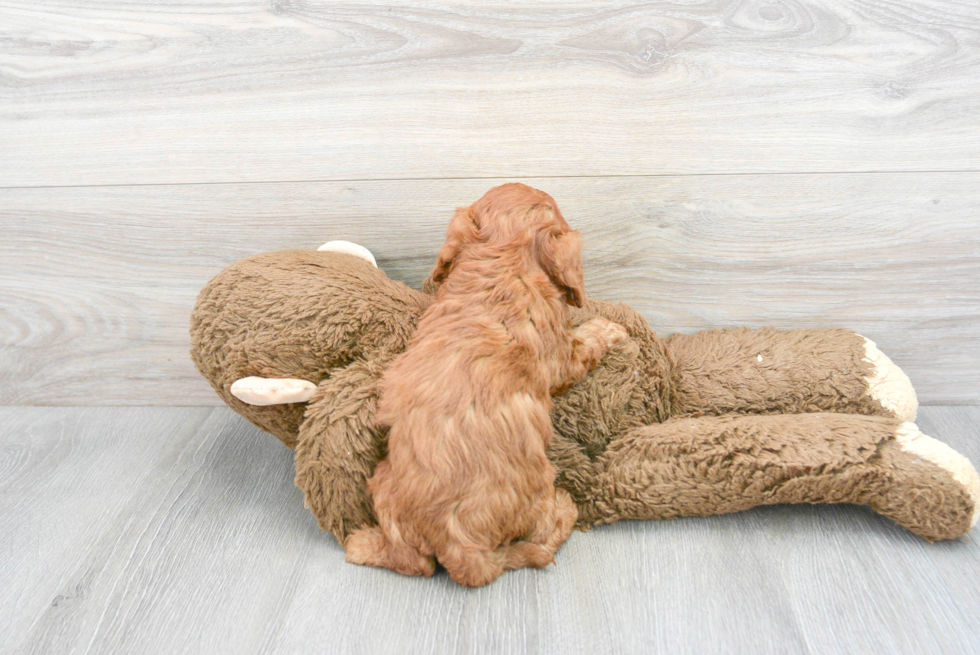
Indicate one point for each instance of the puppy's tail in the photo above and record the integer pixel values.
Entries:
(475, 568)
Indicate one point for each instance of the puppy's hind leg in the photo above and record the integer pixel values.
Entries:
(554, 532)
(370, 547)
(384, 545)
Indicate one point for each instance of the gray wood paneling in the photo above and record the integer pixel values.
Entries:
(116, 92)
(156, 530)
(98, 283)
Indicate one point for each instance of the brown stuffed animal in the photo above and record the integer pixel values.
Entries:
(692, 425)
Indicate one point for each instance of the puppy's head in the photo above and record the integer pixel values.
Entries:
(518, 217)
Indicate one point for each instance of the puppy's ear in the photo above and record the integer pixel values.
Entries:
(463, 229)
(560, 256)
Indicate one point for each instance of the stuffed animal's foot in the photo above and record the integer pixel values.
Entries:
(349, 248)
(916, 445)
(920, 483)
(272, 391)
(889, 385)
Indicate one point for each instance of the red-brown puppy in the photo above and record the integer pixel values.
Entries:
(466, 479)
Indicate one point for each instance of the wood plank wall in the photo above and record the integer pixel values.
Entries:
(796, 164)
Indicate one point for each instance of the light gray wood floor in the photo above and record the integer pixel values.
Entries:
(170, 530)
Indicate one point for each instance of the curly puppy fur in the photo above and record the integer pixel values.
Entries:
(467, 479)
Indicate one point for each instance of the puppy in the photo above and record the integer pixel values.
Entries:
(466, 479)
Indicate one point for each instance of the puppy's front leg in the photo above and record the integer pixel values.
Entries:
(590, 343)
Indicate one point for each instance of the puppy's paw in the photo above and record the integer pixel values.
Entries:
(604, 331)
(365, 547)
(538, 556)
(521, 554)
(616, 333)
(368, 546)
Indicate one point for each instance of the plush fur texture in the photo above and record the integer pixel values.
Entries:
(723, 464)
(690, 425)
(745, 371)
(467, 479)
(298, 315)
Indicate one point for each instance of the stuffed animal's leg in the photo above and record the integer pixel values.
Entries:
(723, 464)
(338, 448)
(785, 371)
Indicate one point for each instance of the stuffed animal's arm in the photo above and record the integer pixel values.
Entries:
(787, 371)
(339, 446)
(722, 464)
